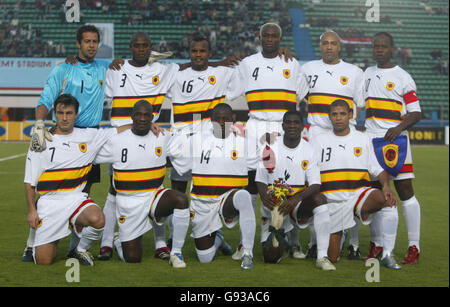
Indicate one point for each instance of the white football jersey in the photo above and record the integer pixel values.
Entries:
(389, 94)
(139, 162)
(346, 163)
(328, 83)
(64, 165)
(218, 165)
(298, 167)
(195, 93)
(270, 86)
(131, 84)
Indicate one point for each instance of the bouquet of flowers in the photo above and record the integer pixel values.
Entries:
(279, 191)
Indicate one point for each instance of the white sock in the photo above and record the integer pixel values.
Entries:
(322, 229)
(411, 212)
(118, 246)
(247, 221)
(354, 234)
(389, 227)
(88, 236)
(159, 231)
(31, 235)
(376, 232)
(207, 255)
(109, 210)
(312, 236)
(181, 225)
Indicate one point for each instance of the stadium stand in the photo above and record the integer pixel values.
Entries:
(411, 24)
(33, 28)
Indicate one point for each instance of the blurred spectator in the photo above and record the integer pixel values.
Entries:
(436, 54)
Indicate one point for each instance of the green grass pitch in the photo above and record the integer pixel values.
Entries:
(431, 188)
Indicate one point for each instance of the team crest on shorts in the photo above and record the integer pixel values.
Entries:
(357, 151)
(286, 73)
(264, 220)
(39, 223)
(122, 219)
(344, 80)
(191, 215)
(100, 82)
(212, 80)
(155, 80)
(234, 154)
(390, 86)
(83, 147)
(305, 164)
(158, 151)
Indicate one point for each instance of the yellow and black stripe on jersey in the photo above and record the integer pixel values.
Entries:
(184, 112)
(319, 103)
(139, 180)
(344, 180)
(67, 179)
(271, 100)
(216, 185)
(383, 109)
(122, 106)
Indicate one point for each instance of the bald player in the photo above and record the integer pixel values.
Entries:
(331, 78)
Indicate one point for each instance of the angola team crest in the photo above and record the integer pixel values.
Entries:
(234, 154)
(155, 80)
(357, 151)
(83, 147)
(344, 80)
(286, 73)
(212, 80)
(390, 86)
(158, 151)
(305, 164)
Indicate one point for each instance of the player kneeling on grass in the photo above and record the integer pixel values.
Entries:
(138, 159)
(59, 174)
(219, 165)
(346, 161)
(291, 160)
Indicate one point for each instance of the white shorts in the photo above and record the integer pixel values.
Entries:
(406, 172)
(132, 213)
(207, 217)
(342, 214)
(266, 221)
(57, 215)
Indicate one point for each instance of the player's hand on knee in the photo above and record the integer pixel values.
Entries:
(391, 198)
(39, 134)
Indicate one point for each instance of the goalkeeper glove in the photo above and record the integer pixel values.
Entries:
(38, 135)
